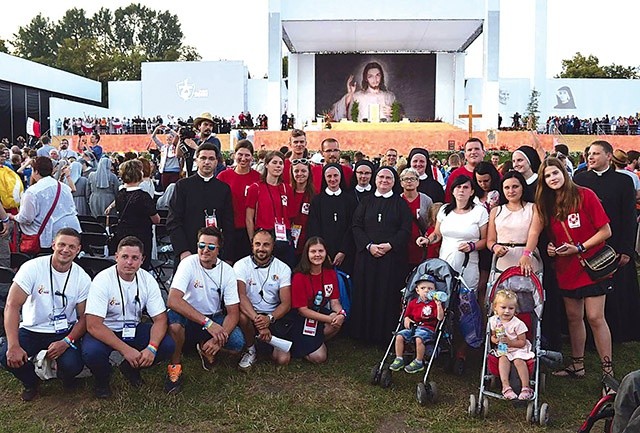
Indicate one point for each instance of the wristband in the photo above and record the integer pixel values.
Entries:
(5, 220)
(472, 245)
(369, 245)
(343, 312)
(70, 342)
(526, 253)
(151, 348)
(493, 247)
(581, 248)
(207, 324)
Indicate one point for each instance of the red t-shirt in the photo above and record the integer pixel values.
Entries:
(300, 208)
(462, 170)
(433, 250)
(427, 313)
(239, 184)
(415, 252)
(305, 286)
(270, 202)
(581, 225)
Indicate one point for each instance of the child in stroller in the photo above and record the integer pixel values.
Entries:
(508, 333)
(420, 320)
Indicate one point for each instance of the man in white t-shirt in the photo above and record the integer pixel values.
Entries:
(50, 292)
(264, 287)
(116, 300)
(203, 307)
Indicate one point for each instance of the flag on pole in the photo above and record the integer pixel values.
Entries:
(33, 127)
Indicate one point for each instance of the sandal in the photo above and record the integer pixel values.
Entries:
(526, 393)
(572, 369)
(509, 394)
(607, 372)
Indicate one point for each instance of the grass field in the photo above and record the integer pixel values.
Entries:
(335, 397)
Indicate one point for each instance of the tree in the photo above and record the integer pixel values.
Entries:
(589, 67)
(36, 41)
(3, 46)
(533, 110)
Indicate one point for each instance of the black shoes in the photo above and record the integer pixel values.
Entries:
(131, 374)
(29, 394)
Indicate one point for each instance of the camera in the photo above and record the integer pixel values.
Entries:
(186, 131)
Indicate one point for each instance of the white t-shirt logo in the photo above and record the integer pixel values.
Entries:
(426, 311)
(328, 290)
(573, 220)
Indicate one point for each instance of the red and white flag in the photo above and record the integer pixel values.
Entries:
(33, 127)
(87, 127)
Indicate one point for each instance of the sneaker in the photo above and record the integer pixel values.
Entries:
(248, 359)
(414, 367)
(173, 382)
(207, 361)
(102, 391)
(70, 384)
(131, 374)
(29, 394)
(397, 364)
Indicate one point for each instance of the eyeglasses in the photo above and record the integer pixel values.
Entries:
(202, 245)
(409, 179)
(304, 161)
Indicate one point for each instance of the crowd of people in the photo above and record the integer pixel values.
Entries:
(620, 125)
(146, 125)
(258, 245)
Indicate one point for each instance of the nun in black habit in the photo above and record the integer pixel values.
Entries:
(363, 184)
(428, 184)
(331, 216)
(381, 230)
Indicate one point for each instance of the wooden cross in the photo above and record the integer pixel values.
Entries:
(470, 115)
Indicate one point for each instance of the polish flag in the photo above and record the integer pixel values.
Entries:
(33, 127)
(87, 127)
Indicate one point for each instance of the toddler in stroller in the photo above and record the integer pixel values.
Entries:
(420, 320)
(508, 333)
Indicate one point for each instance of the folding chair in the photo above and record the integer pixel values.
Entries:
(94, 265)
(92, 227)
(94, 243)
(18, 259)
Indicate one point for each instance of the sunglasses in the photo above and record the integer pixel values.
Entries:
(202, 245)
(304, 161)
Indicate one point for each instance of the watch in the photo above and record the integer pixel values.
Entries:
(271, 318)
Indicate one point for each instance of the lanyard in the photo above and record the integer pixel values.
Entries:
(217, 286)
(55, 292)
(273, 204)
(261, 292)
(136, 299)
(321, 287)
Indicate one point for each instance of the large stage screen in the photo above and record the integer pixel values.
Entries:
(375, 81)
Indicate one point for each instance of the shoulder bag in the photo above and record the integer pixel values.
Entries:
(30, 244)
(602, 264)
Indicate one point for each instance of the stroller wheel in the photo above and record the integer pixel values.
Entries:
(530, 408)
(432, 392)
(485, 407)
(471, 410)
(421, 394)
(374, 378)
(544, 414)
(386, 379)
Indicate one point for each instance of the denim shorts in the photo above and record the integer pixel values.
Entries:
(425, 334)
(194, 332)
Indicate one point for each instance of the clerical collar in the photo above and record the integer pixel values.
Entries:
(532, 179)
(385, 195)
(258, 266)
(423, 176)
(206, 179)
(600, 173)
(363, 188)
(329, 192)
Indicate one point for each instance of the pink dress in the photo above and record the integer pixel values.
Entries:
(513, 328)
(513, 228)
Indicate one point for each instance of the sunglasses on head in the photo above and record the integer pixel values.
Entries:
(304, 161)
(202, 245)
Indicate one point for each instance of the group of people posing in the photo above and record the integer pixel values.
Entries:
(257, 254)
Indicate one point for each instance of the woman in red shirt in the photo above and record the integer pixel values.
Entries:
(419, 203)
(316, 295)
(303, 192)
(565, 208)
(269, 207)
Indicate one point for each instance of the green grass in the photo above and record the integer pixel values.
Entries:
(334, 397)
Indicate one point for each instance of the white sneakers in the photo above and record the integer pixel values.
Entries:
(249, 358)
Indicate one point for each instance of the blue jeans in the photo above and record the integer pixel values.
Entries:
(96, 354)
(425, 334)
(69, 363)
(195, 334)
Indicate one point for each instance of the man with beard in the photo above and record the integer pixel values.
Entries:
(264, 288)
(473, 154)
(65, 152)
(204, 124)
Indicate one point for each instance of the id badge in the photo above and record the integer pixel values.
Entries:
(281, 231)
(60, 323)
(129, 331)
(210, 221)
(310, 327)
(295, 234)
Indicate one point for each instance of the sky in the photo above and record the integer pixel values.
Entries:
(237, 30)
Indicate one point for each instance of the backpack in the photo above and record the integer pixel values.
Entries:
(346, 287)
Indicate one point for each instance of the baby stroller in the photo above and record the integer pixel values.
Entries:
(530, 303)
(447, 281)
(603, 410)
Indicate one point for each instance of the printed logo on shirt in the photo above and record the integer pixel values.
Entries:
(42, 290)
(246, 190)
(275, 277)
(305, 208)
(197, 284)
(328, 290)
(426, 311)
(284, 200)
(573, 220)
(114, 301)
